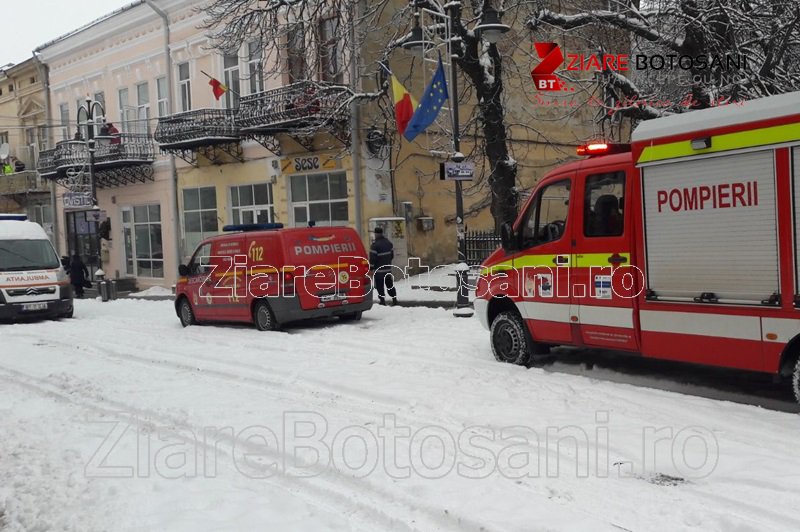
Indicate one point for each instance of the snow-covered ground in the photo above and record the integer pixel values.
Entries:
(120, 419)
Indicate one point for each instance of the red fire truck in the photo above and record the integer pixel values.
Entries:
(681, 246)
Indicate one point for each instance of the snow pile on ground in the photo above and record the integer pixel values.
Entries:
(152, 291)
(121, 419)
(437, 284)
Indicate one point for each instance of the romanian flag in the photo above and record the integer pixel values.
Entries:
(404, 104)
(218, 88)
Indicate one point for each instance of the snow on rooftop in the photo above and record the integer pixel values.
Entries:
(19, 230)
(727, 115)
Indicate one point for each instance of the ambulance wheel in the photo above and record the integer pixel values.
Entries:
(511, 342)
(352, 316)
(186, 314)
(67, 315)
(796, 381)
(263, 317)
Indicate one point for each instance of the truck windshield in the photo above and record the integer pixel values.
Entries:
(20, 255)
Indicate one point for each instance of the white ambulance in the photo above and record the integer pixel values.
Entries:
(33, 283)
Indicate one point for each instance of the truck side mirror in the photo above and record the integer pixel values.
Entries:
(507, 237)
(183, 270)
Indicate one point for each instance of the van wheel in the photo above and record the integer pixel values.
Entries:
(186, 314)
(796, 380)
(67, 315)
(511, 342)
(352, 316)
(263, 317)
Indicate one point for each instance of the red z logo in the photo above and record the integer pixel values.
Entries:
(542, 75)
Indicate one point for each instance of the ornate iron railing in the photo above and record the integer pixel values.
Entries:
(47, 162)
(124, 148)
(304, 104)
(199, 127)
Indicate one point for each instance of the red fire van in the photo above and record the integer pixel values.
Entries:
(269, 275)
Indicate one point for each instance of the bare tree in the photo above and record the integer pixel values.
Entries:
(761, 37)
(297, 43)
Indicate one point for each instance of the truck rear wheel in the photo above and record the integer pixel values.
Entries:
(511, 342)
(796, 380)
(263, 317)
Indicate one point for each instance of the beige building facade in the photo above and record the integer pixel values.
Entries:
(179, 164)
(23, 120)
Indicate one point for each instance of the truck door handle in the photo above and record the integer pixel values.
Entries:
(616, 258)
(561, 259)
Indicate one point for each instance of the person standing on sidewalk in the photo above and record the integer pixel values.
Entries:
(381, 254)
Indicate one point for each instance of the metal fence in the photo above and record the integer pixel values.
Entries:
(480, 244)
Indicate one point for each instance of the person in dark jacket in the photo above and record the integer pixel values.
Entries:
(78, 273)
(381, 254)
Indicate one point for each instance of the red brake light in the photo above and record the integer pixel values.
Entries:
(602, 148)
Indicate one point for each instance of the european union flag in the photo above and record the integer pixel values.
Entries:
(433, 99)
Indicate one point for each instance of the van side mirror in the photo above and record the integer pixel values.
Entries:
(507, 238)
(183, 270)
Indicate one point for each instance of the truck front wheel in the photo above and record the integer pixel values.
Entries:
(511, 342)
(796, 380)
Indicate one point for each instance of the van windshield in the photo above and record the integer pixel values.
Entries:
(20, 255)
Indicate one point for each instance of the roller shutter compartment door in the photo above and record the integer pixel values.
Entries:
(796, 188)
(710, 227)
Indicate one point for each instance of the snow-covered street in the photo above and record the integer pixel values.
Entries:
(120, 419)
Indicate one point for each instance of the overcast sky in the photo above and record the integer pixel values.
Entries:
(31, 23)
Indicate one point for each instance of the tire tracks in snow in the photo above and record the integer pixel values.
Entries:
(333, 401)
(330, 489)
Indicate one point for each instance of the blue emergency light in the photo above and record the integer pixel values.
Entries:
(251, 227)
(16, 217)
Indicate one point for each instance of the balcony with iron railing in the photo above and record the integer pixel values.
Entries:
(21, 183)
(305, 106)
(197, 129)
(118, 159)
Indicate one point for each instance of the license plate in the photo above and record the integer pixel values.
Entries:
(34, 306)
(332, 297)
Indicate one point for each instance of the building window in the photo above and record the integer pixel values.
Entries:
(329, 53)
(296, 53)
(184, 87)
(255, 66)
(127, 112)
(11, 87)
(4, 137)
(42, 215)
(231, 79)
(143, 107)
(100, 97)
(161, 96)
(144, 253)
(199, 215)
(252, 204)
(321, 198)
(33, 80)
(63, 113)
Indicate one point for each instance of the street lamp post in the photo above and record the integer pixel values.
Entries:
(490, 28)
(89, 110)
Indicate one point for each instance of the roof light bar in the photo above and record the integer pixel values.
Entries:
(15, 217)
(251, 227)
(602, 148)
